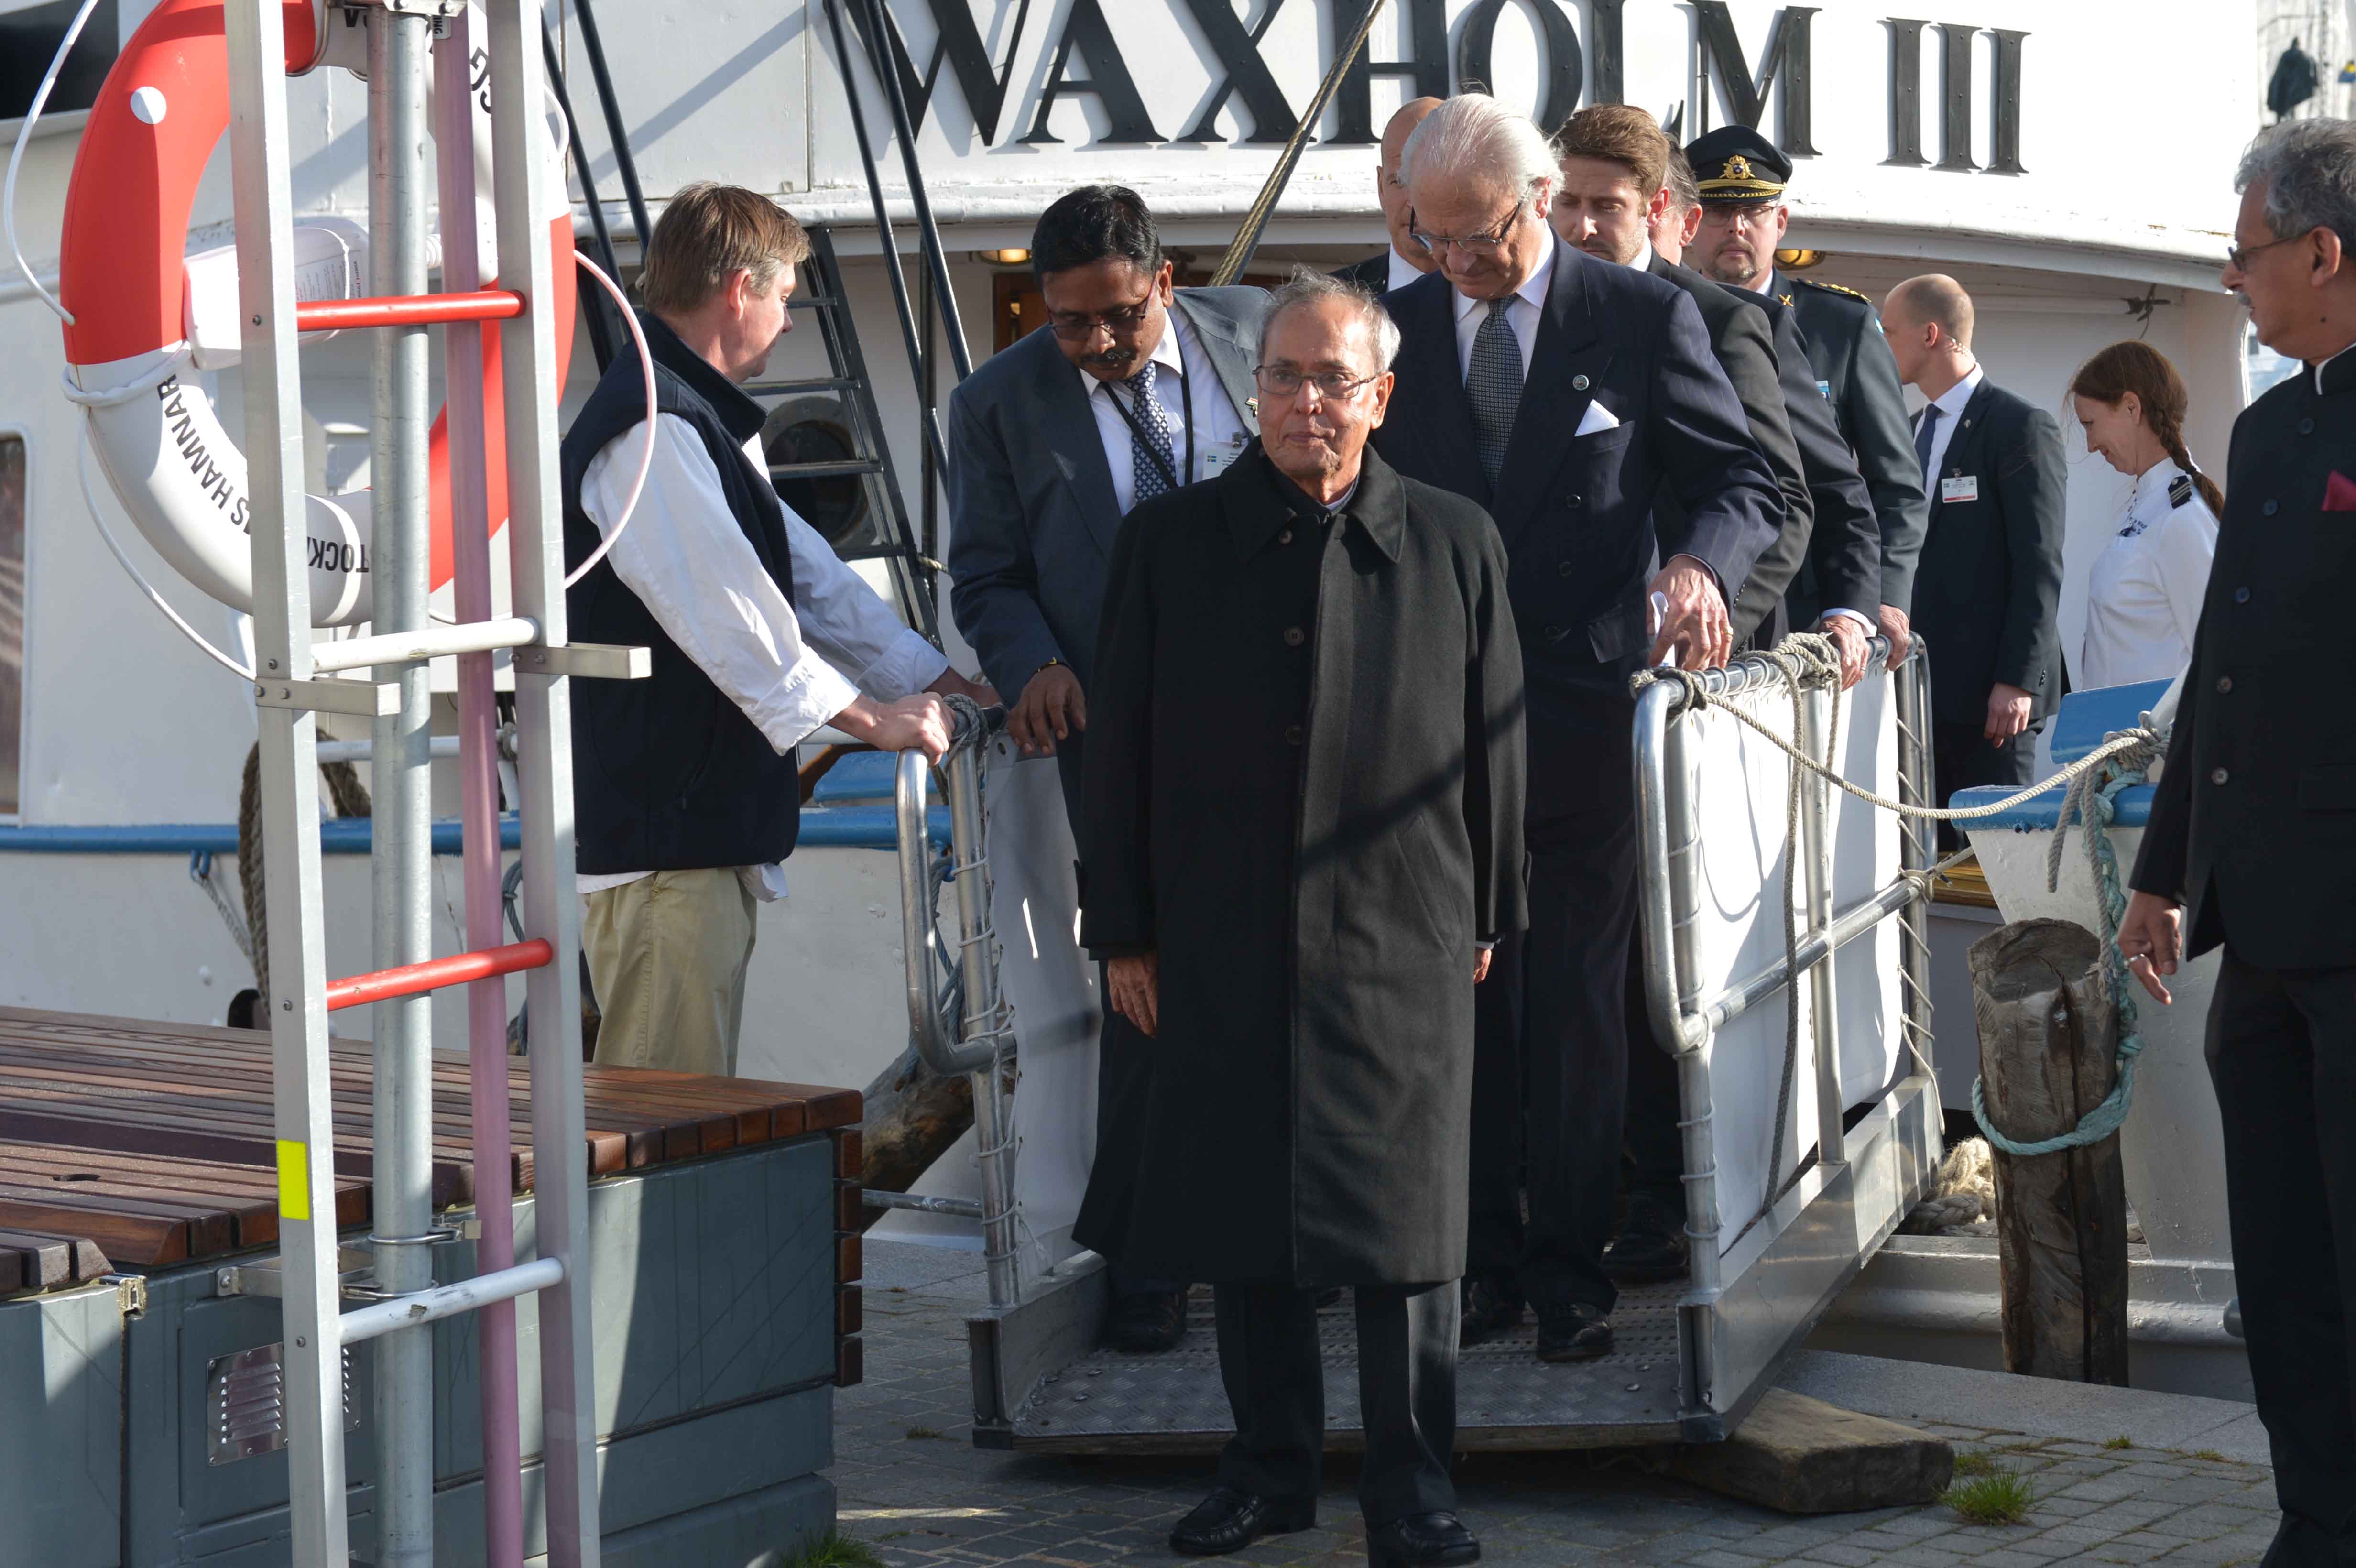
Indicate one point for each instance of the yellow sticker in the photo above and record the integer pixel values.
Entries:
(294, 1180)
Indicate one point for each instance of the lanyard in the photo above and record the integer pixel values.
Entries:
(1145, 437)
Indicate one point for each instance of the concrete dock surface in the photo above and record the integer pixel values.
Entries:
(2192, 1484)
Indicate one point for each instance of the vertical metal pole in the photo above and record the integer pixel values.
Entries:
(1814, 855)
(545, 770)
(1004, 1265)
(401, 868)
(1663, 750)
(928, 233)
(263, 206)
(1917, 846)
(479, 782)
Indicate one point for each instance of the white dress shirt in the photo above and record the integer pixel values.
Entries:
(2142, 598)
(1403, 272)
(1186, 381)
(1523, 313)
(1950, 404)
(791, 665)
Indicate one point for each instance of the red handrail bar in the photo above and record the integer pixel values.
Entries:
(359, 991)
(408, 310)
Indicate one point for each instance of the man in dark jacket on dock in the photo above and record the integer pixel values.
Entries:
(1305, 796)
(2253, 829)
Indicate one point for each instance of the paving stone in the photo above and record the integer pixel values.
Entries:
(1802, 1456)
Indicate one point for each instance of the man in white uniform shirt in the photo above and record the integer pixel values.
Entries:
(686, 784)
(1132, 389)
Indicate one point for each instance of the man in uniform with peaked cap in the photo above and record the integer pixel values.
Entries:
(1741, 177)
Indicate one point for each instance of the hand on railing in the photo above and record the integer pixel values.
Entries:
(918, 723)
(1693, 618)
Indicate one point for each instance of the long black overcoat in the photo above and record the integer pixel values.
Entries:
(1304, 791)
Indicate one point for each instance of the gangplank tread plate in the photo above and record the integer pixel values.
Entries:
(158, 1140)
(1506, 1398)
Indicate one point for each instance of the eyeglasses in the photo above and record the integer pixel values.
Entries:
(1756, 215)
(1473, 244)
(1334, 386)
(2238, 256)
(1120, 323)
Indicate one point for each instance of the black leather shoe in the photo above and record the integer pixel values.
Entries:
(1420, 1539)
(1650, 1248)
(1228, 1520)
(1578, 1332)
(1491, 1308)
(1148, 1322)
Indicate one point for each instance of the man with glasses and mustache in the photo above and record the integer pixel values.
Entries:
(1741, 177)
(1565, 394)
(1305, 809)
(1135, 388)
(2254, 827)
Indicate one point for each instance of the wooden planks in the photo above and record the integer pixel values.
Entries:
(31, 1261)
(156, 1140)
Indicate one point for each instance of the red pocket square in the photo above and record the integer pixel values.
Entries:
(2340, 493)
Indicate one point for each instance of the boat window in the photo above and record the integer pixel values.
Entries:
(30, 37)
(12, 618)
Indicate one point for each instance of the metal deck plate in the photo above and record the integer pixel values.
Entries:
(1505, 1397)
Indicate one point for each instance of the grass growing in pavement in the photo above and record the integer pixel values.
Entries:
(2119, 1443)
(1999, 1499)
(1970, 1464)
(915, 1433)
(2208, 1454)
(835, 1550)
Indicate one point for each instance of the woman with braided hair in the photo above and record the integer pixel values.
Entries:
(2144, 598)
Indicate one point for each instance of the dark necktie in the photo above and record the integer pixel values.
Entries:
(1153, 422)
(1923, 440)
(1493, 381)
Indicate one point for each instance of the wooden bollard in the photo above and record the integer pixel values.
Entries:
(2048, 1034)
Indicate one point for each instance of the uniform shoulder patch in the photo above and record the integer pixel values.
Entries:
(1831, 288)
(2179, 490)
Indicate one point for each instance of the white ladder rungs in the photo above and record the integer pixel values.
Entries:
(425, 643)
(448, 1301)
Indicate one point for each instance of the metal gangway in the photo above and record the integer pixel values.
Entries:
(1811, 1120)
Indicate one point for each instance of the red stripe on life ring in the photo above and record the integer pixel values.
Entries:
(125, 233)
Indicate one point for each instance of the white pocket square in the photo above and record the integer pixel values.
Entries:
(1597, 418)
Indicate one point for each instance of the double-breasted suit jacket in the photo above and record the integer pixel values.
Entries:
(1303, 791)
(1576, 511)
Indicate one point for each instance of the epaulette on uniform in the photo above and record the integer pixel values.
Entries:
(2179, 490)
(1831, 288)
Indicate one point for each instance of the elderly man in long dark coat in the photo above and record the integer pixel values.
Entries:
(1303, 791)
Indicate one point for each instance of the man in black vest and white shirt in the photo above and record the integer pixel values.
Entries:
(686, 784)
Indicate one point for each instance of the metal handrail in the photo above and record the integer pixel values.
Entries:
(925, 1026)
(1684, 1019)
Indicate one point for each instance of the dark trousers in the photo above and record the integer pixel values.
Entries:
(1275, 1380)
(2282, 1054)
(1962, 755)
(1551, 1065)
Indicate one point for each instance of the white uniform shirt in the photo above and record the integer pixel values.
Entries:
(1184, 382)
(789, 666)
(2142, 598)
(1524, 312)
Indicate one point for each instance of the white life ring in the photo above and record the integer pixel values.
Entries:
(144, 315)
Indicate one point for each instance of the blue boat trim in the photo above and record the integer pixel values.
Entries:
(834, 827)
(2037, 813)
(2087, 716)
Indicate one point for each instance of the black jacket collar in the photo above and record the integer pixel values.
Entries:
(739, 414)
(2339, 373)
(1259, 500)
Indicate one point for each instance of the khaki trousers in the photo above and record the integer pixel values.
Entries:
(668, 955)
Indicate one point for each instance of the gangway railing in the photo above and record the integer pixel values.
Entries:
(1758, 1286)
(981, 1042)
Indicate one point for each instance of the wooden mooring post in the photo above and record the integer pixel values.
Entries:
(2047, 1037)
